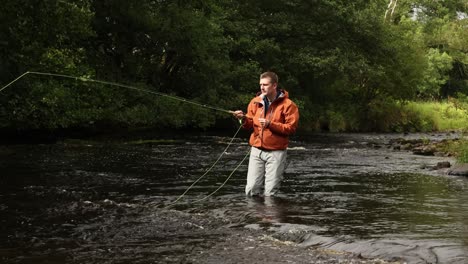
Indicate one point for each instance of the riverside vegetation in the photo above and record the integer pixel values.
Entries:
(352, 66)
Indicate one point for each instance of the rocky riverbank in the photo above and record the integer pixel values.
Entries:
(433, 148)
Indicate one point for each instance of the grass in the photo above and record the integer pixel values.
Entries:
(437, 116)
(463, 157)
(441, 116)
(458, 148)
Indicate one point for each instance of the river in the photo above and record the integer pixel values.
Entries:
(79, 201)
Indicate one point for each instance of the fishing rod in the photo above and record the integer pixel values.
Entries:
(84, 79)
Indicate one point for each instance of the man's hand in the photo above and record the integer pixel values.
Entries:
(238, 114)
(264, 122)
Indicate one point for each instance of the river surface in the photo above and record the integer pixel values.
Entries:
(343, 192)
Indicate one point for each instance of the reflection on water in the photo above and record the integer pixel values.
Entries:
(349, 193)
(268, 209)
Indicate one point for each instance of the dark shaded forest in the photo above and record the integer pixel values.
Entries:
(352, 63)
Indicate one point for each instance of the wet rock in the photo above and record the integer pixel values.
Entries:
(109, 202)
(459, 170)
(425, 150)
(421, 146)
(441, 154)
(406, 146)
(442, 165)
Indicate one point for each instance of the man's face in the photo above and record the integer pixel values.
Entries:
(266, 87)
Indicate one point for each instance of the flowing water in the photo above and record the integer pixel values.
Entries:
(344, 192)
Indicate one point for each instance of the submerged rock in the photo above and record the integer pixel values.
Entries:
(459, 170)
(442, 165)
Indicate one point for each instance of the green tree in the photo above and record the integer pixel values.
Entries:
(171, 47)
(43, 36)
(436, 74)
(443, 25)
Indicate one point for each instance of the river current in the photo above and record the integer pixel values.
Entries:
(343, 192)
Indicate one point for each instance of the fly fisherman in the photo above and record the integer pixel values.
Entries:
(273, 118)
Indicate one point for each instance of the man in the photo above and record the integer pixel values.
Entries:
(273, 118)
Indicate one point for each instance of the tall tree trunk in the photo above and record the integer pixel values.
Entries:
(391, 7)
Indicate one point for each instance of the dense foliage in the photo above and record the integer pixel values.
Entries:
(349, 65)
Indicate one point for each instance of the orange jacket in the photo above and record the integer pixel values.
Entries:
(283, 115)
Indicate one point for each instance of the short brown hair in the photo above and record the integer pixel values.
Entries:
(273, 77)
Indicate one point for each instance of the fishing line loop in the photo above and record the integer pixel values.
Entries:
(207, 171)
(225, 181)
